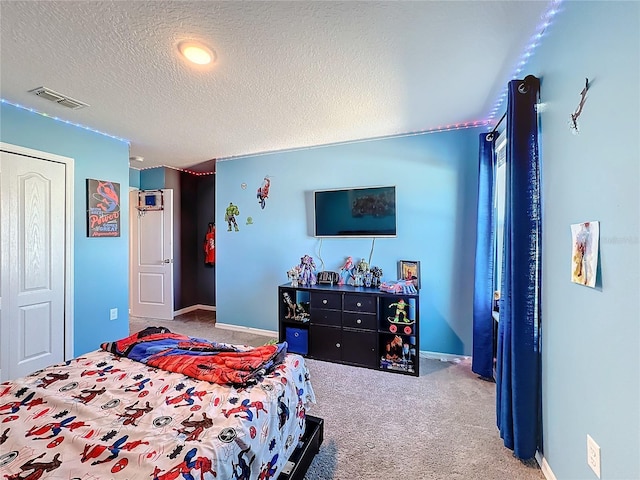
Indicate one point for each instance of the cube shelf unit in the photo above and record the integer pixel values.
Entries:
(357, 326)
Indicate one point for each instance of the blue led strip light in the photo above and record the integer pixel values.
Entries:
(64, 121)
(552, 9)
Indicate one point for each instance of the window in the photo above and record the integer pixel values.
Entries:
(500, 194)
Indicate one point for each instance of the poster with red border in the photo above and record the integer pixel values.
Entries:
(103, 208)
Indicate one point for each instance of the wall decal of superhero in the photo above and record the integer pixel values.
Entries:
(263, 191)
(230, 216)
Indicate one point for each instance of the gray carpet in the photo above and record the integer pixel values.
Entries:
(381, 425)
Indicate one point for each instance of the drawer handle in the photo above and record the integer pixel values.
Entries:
(359, 304)
(324, 301)
(296, 334)
(358, 321)
(338, 345)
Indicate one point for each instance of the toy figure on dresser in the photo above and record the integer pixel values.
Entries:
(368, 279)
(401, 317)
(376, 272)
(294, 275)
(346, 272)
(399, 287)
(360, 271)
(307, 271)
(295, 311)
(394, 349)
(398, 355)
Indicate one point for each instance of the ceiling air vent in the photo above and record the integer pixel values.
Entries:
(48, 94)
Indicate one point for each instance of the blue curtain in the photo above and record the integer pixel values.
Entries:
(518, 364)
(482, 362)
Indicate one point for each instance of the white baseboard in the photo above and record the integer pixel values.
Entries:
(255, 331)
(544, 466)
(443, 357)
(192, 308)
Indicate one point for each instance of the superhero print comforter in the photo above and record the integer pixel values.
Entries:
(198, 358)
(105, 416)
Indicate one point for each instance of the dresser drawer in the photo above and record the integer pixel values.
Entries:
(360, 303)
(323, 316)
(364, 321)
(326, 300)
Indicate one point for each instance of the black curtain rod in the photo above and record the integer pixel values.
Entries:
(498, 124)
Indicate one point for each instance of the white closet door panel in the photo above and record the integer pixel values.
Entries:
(33, 193)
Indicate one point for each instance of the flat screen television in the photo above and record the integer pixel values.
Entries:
(355, 212)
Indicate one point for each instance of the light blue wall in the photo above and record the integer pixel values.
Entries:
(152, 178)
(101, 265)
(436, 176)
(591, 337)
(134, 178)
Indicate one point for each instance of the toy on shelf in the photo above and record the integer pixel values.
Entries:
(307, 271)
(293, 274)
(376, 273)
(401, 317)
(361, 271)
(295, 311)
(393, 350)
(346, 272)
(398, 355)
(400, 287)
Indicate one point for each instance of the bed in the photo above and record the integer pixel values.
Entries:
(159, 405)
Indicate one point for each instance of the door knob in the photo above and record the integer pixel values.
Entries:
(166, 260)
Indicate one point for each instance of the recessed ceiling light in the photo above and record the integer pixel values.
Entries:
(196, 52)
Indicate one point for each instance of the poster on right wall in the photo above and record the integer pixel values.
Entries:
(584, 253)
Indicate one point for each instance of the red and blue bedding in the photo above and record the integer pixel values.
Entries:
(107, 416)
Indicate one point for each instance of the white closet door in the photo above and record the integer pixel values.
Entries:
(32, 289)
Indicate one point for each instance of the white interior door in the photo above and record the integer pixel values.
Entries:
(152, 256)
(32, 282)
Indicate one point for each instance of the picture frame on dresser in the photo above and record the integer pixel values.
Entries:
(409, 270)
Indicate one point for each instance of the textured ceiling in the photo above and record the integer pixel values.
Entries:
(288, 74)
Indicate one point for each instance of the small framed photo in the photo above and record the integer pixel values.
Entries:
(409, 270)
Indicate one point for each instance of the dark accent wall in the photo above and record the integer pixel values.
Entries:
(206, 202)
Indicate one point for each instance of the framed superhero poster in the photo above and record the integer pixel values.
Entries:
(103, 208)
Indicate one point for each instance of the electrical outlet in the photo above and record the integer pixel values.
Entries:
(113, 314)
(593, 455)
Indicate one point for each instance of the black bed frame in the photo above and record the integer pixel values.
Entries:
(303, 455)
